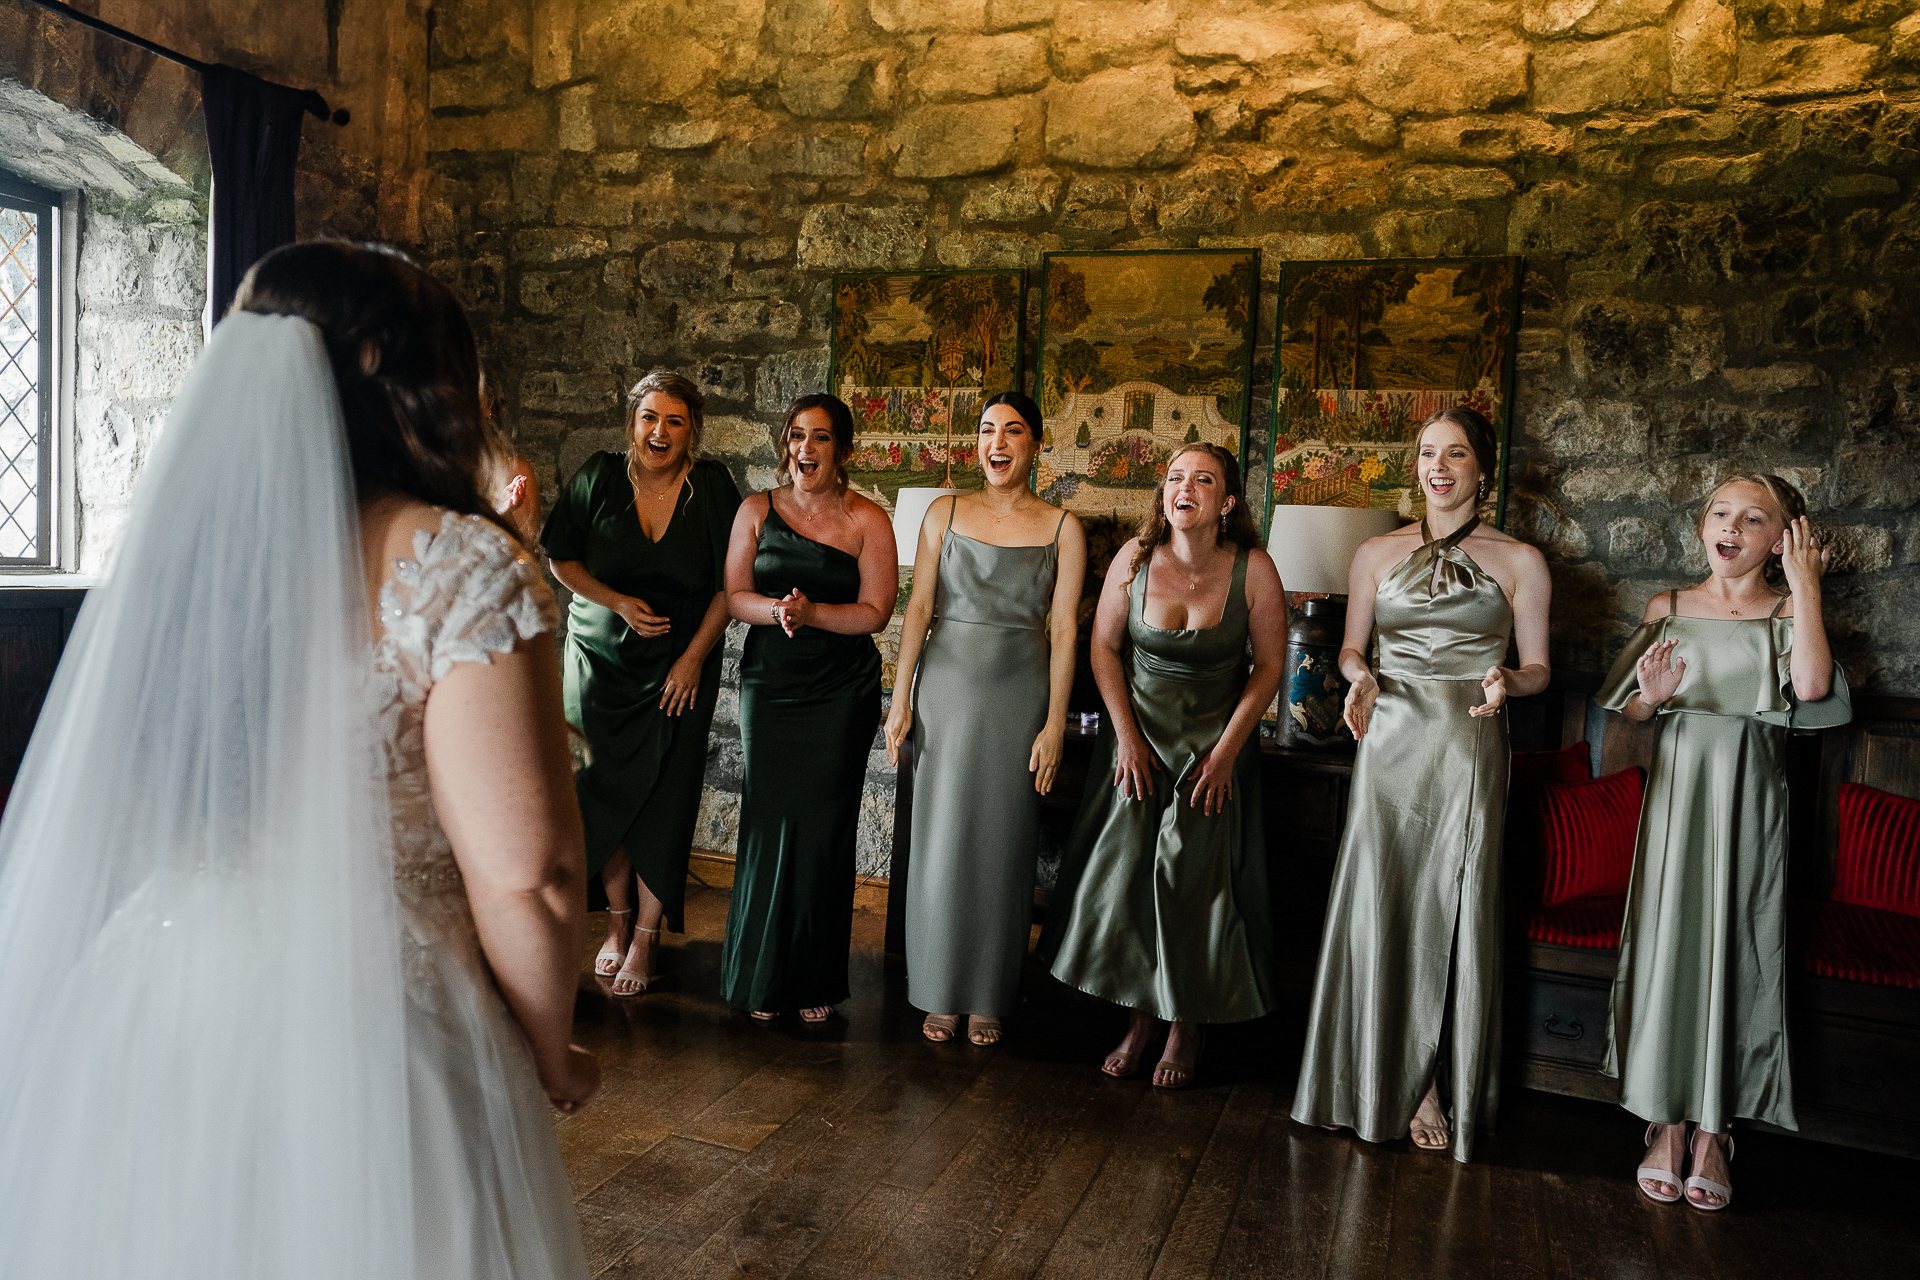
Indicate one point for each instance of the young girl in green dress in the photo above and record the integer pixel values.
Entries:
(1698, 1029)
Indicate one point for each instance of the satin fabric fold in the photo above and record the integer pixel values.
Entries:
(980, 701)
(1410, 957)
(1160, 907)
(1698, 1022)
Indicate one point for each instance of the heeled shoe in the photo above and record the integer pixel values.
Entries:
(1647, 1173)
(609, 959)
(983, 1031)
(945, 1024)
(1181, 1074)
(816, 1015)
(628, 976)
(1708, 1184)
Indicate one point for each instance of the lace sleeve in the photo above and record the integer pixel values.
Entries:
(469, 593)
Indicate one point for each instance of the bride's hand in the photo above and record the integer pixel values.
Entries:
(574, 1082)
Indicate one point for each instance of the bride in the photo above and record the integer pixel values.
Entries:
(291, 882)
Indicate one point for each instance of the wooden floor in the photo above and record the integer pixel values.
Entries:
(724, 1147)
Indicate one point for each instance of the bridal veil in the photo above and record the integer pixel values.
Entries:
(202, 1050)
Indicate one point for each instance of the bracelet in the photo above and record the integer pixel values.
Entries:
(776, 615)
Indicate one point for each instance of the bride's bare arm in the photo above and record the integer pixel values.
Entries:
(497, 761)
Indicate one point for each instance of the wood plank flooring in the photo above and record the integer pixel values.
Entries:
(722, 1147)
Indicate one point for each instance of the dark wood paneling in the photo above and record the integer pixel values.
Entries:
(34, 623)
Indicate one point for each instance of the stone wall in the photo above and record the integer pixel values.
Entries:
(1716, 202)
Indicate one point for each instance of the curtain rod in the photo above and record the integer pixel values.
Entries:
(316, 105)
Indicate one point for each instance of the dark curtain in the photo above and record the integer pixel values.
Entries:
(253, 131)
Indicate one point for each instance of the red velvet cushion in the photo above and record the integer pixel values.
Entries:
(1584, 922)
(1530, 770)
(1878, 861)
(1856, 944)
(1586, 836)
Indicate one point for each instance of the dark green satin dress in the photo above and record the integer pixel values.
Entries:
(1160, 907)
(980, 701)
(1698, 1029)
(809, 706)
(1410, 959)
(641, 787)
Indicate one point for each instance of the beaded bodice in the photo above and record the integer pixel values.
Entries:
(465, 594)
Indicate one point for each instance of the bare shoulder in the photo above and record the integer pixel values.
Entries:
(390, 522)
(1507, 550)
(1657, 607)
(1389, 548)
(752, 513)
(867, 513)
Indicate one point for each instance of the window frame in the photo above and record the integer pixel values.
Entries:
(48, 207)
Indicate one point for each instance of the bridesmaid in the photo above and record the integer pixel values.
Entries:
(1162, 901)
(1408, 983)
(1698, 1027)
(640, 540)
(997, 576)
(811, 569)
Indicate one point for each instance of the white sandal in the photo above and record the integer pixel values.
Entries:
(624, 976)
(609, 960)
(1708, 1184)
(1647, 1173)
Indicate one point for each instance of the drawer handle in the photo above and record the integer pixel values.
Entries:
(1551, 1024)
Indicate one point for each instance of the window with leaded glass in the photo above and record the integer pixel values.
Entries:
(27, 287)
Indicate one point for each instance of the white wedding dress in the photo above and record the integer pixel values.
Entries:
(490, 1197)
(247, 1031)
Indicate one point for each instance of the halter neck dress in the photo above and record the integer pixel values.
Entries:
(1409, 975)
(980, 700)
(809, 705)
(1698, 1026)
(1160, 907)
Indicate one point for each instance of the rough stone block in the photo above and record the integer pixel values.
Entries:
(1026, 195)
(687, 268)
(737, 321)
(1772, 379)
(1905, 45)
(967, 249)
(1121, 119)
(145, 359)
(725, 212)
(480, 85)
(1857, 548)
(1701, 48)
(551, 292)
(766, 249)
(1712, 171)
(1552, 17)
(1408, 72)
(974, 66)
(1644, 543)
(1277, 248)
(686, 135)
(843, 88)
(784, 377)
(1091, 34)
(1564, 218)
(1792, 68)
(1537, 519)
(742, 439)
(561, 391)
(923, 15)
(962, 138)
(1437, 184)
(1582, 428)
(835, 155)
(1594, 76)
(844, 237)
(1257, 36)
(1401, 233)
(551, 42)
(636, 55)
(1004, 15)
(177, 276)
(583, 442)
(1609, 16)
(524, 126)
(594, 204)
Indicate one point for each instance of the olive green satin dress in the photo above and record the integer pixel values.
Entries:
(1698, 1029)
(980, 700)
(641, 786)
(809, 705)
(1410, 960)
(1160, 907)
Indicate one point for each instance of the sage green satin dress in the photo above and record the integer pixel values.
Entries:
(1160, 907)
(1410, 959)
(1698, 1029)
(641, 786)
(979, 700)
(809, 706)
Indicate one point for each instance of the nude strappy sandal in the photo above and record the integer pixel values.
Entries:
(1708, 1184)
(1647, 1173)
(609, 959)
(625, 976)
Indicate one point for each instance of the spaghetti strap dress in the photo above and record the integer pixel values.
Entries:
(809, 706)
(1160, 907)
(1698, 1025)
(641, 787)
(1408, 981)
(980, 699)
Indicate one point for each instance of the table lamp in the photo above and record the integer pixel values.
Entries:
(909, 510)
(1313, 549)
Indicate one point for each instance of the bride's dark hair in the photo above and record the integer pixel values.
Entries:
(404, 357)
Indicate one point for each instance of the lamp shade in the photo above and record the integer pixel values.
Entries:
(1313, 546)
(909, 511)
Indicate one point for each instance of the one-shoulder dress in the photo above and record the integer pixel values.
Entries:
(809, 706)
(1410, 958)
(1698, 1028)
(1160, 907)
(980, 700)
(641, 786)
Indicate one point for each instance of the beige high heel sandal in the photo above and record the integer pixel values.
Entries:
(629, 977)
(609, 960)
